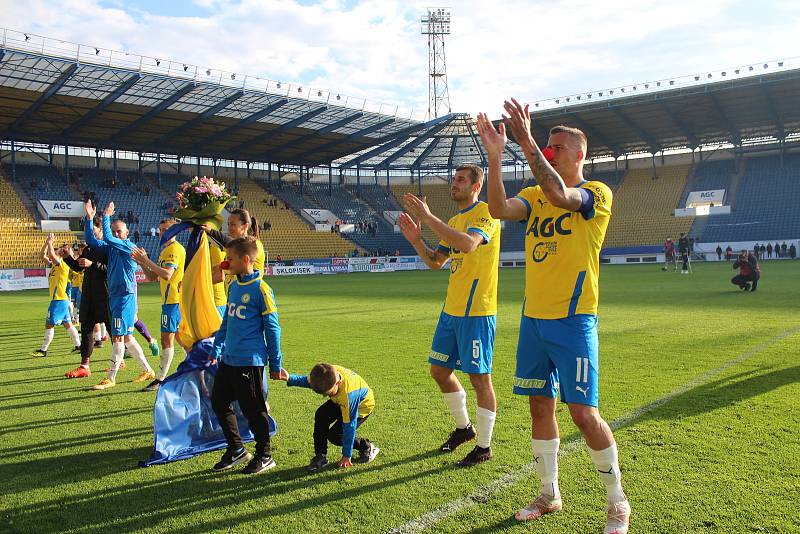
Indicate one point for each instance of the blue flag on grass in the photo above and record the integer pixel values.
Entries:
(184, 422)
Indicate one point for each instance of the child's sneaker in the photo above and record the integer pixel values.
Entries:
(259, 464)
(232, 458)
(369, 454)
(317, 462)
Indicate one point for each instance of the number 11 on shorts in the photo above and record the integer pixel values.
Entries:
(582, 364)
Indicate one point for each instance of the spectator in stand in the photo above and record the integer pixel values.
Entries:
(769, 250)
(792, 251)
(136, 236)
(728, 253)
(777, 249)
(146, 190)
(756, 250)
(749, 272)
(784, 250)
(397, 252)
(719, 253)
(763, 251)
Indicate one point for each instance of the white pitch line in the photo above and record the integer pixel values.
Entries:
(484, 493)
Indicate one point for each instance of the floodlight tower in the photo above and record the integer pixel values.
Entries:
(436, 24)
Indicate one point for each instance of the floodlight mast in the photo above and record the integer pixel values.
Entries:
(436, 24)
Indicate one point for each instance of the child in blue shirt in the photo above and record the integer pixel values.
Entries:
(248, 338)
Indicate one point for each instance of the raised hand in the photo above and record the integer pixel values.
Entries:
(89, 208)
(519, 119)
(139, 255)
(412, 231)
(494, 140)
(417, 207)
(109, 209)
(50, 238)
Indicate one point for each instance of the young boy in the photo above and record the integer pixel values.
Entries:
(249, 336)
(351, 402)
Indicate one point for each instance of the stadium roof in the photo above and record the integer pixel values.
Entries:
(69, 98)
(58, 93)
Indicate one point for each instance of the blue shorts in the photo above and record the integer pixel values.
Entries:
(58, 312)
(464, 343)
(221, 310)
(76, 296)
(123, 314)
(170, 317)
(555, 354)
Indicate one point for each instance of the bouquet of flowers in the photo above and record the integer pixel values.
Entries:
(201, 201)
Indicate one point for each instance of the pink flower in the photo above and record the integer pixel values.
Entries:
(200, 189)
(185, 186)
(216, 191)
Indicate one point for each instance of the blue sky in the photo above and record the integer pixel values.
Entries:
(372, 49)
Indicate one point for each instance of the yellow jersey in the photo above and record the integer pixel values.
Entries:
(472, 288)
(172, 255)
(258, 264)
(76, 278)
(562, 250)
(217, 257)
(354, 397)
(57, 280)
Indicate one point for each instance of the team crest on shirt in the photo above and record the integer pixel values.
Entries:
(455, 263)
(543, 249)
(245, 298)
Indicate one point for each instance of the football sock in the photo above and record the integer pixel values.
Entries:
(142, 329)
(103, 331)
(545, 459)
(74, 335)
(484, 420)
(606, 462)
(166, 361)
(98, 334)
(49, 333)
(117, 350)
(135, 350)
(457, 403)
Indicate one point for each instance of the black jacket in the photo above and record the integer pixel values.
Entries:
(95, 279)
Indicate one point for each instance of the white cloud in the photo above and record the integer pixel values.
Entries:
(372, 49)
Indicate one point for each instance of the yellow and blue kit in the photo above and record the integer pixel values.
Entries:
(172, 255)
(220, 297)
(57, 281)
(250, 334)
(464, 336)
(558, 345)
(354, 398)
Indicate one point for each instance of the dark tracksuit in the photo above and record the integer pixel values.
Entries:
(94, 300)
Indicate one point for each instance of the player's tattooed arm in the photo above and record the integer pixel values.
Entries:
(547, 178)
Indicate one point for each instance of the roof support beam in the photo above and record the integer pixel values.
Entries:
(336, 142)
(50, 91)
(678, 122)
(425, 153)
(280, 129)
(107, 101)
(413, 144)
(627, 121)
(452, 152)
(773, 111)
(724, 119)
(593, 133)
(199, 118)
(394, 140)
(250, 119)
(326, 129)
(164, 104)
(478, 146)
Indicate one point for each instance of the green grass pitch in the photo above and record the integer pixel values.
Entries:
(721, 456)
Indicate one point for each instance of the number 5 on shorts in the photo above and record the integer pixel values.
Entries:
(476, 349)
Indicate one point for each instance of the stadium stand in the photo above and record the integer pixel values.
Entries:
(438, 198)
(20, 239)
(643, 207)
(765, 204)
(290, 237)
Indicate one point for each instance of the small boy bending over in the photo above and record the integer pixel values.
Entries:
(351, 402)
